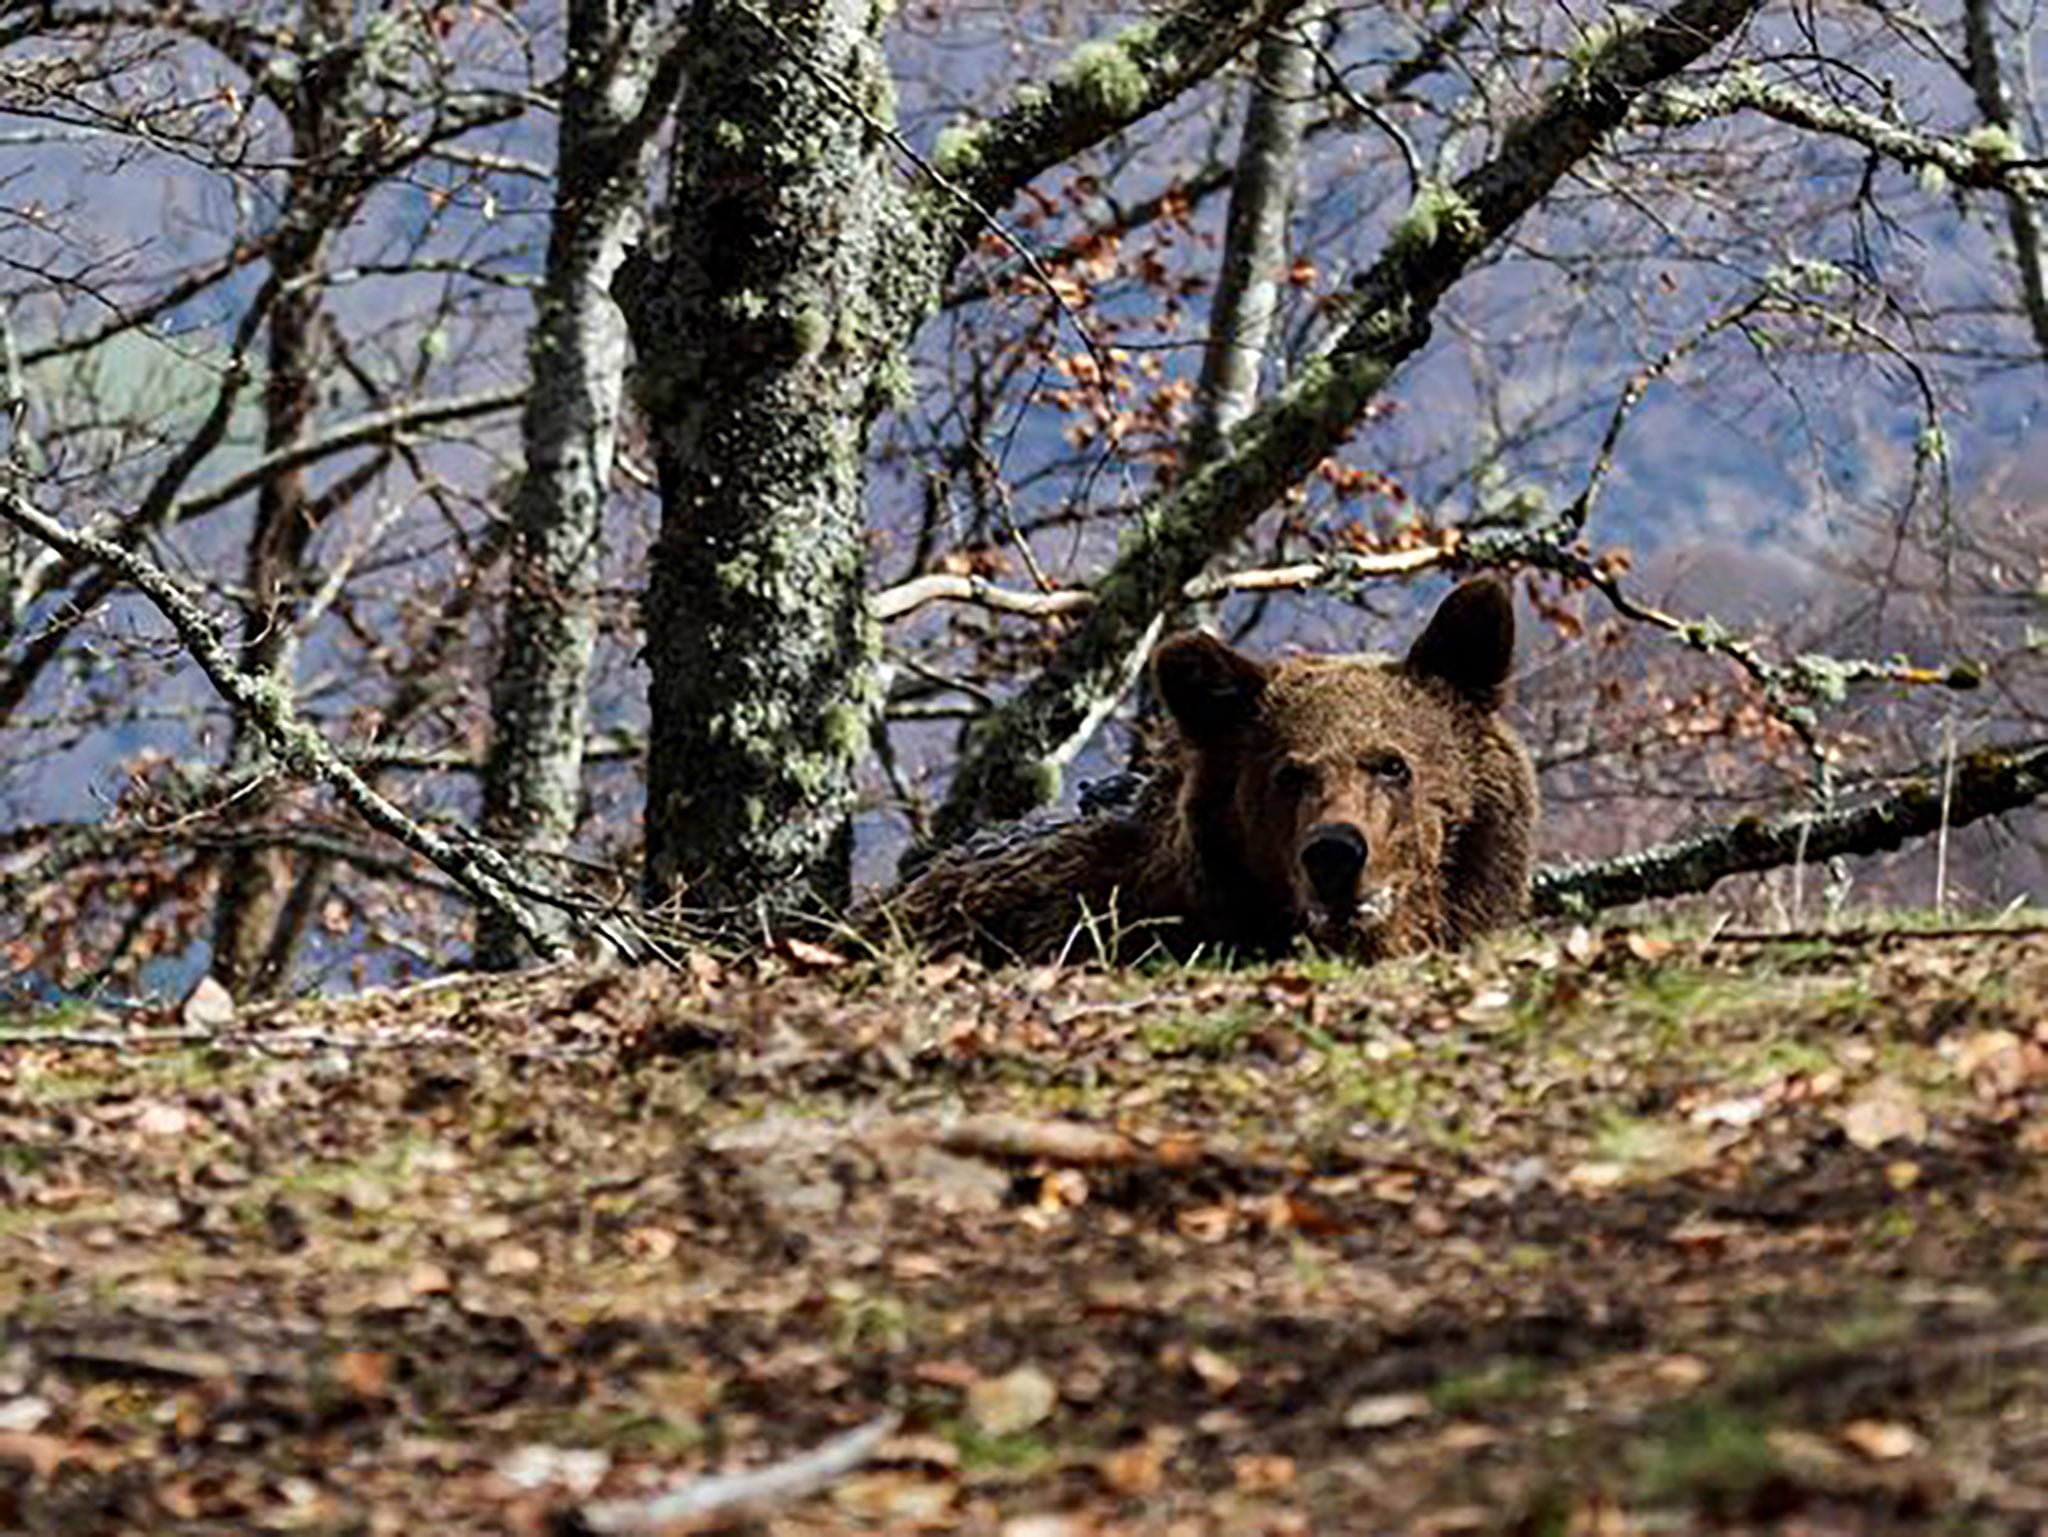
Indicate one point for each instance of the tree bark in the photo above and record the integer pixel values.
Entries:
(1987, 82)
(768, 335)
(1254, 260)
(761, 338)
(1015, 755)
(617, 76)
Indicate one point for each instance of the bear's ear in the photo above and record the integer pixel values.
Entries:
(1209, 689)
(1469, 642)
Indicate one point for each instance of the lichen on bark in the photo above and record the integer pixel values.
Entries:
(765, 333)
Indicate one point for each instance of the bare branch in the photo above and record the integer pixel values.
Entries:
(1966, 163)
(363, 432)
(1105, 86)
(1987, 783)
(267, 709)
(1005, 769)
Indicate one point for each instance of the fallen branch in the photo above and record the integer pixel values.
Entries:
(483, 873)
(725, 1493)
(1986, 783)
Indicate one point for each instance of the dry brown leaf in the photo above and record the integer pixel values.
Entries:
(365, 1373)
(1880, 1440)
(1015, 1401)
(428, 1279)
(1885, 1112)
(808, 955)
(208, 1006)
(1134, 1470)
(650, 1243)
(1206, 1224)
(157, 1119)
(1680, 1371)
(1997, 1063)
(512, 1259)
(901, 1501)
(1262, 1474)
(1384, 1410)
(42, 1455)
(1219, 1374)
(1594, 1177)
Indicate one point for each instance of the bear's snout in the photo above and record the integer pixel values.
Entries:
(1333, 855)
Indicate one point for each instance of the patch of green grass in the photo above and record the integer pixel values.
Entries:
(20, 1158)
(864, 1321)
(1672, 1002)
(1377, 1090)
(1864, 1328)
(1019, 1455)
(1786, 1057)
(20, 1220)
(1507, 1380)
(1708, 1455)
(158, 1073)
(1644, 1146)
(1214, 1034)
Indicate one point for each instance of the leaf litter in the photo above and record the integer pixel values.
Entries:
(1608, 1232)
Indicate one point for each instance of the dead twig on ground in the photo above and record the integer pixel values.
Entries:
(717, 1494)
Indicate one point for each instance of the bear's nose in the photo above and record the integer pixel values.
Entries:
(1334, 857)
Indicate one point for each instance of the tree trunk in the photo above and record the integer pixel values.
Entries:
(256, 879)
(1255, 235)
(533, 777)
(760, 336)
(1987, 83)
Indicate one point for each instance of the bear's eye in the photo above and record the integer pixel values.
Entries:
(1390, 766)
(1294, 780)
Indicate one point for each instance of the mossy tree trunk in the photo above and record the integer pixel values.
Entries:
(761, 334)
(800, 259)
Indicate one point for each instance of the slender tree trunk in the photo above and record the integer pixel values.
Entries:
(760, 338)
(2023, 222)
(1255, 243)
(533, 777)
(1246, 303)
(255, 880)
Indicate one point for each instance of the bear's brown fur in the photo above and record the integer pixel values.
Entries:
(1375, 806)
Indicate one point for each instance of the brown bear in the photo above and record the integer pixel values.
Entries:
(1373, 806)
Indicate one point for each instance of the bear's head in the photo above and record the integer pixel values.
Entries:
(1340, 797)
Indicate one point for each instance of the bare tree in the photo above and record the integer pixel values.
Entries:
(620, 73)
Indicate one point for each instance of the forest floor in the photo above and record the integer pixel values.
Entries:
(1599, 1233)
